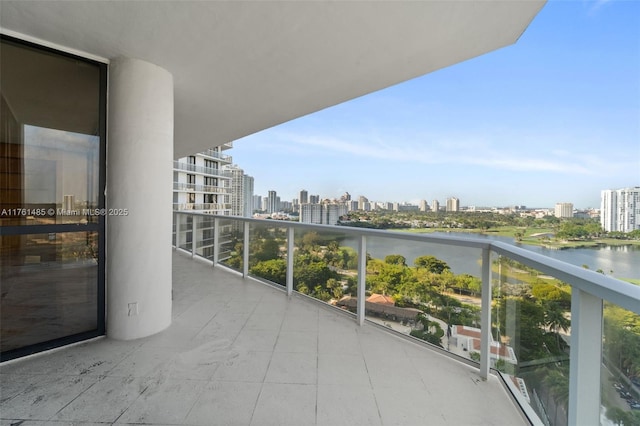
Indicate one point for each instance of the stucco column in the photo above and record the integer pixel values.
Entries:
(139, 179)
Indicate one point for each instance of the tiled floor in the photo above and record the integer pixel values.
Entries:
(242, 353)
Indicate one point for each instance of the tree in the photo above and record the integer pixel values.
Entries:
(395, 259)
(432, 264)
(619, 416)
(273, 270)
(554, 318)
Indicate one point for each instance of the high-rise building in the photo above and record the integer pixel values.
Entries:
(201, 183)
(435, 205)
(424, 206)
(273, 206)
(362, 200)
(311, 213)
(248, 195)
(620, 209)
(453, 204)
(303, 197)
(237, 190)
(322, 214)
(563, 210)
(257, 202)
(241, 192)
(314, 199)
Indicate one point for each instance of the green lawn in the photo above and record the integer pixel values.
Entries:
(532, 236)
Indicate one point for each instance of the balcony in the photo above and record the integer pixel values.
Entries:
(241, 352)
(177, 165)
(214, 207)
(192, 187)
(244, 351)
(218, 155)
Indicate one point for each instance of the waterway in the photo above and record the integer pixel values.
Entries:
(617, 261)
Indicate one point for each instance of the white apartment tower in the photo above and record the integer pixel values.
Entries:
(201, 183)
(241, 192)
(424, 206)
(620, 209)
(435, 205)
(453, 204)
(249, 206)
(563, 210)
(322, 214)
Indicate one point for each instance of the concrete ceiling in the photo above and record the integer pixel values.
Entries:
(241, 67)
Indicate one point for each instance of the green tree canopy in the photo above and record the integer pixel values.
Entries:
(432, 264)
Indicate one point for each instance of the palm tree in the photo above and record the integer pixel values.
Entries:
(554, 318)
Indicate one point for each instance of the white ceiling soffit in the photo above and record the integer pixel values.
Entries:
(241, 67)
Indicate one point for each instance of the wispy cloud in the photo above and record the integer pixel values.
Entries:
(455, 152)
(597, 5)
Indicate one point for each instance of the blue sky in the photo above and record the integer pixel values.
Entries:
(553, 118)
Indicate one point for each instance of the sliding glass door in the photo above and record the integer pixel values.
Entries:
(52, 176)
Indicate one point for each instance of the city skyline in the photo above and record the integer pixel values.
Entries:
(553, 118)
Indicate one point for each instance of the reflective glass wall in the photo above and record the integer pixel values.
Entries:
(52, 144)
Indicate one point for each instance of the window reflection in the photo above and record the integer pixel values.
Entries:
(48, 287)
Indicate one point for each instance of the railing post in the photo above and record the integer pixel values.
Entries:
(485, 315)
(585, 359)
(194, 239)
(362, 279)
(245, 251)
(290, 248)
(216, 241)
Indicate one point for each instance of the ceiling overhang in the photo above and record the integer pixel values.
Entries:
(241, 67)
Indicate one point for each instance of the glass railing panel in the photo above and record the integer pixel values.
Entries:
(422, 289)
(203, 232)
(324, 268)
(184, 234)
(225, 241)
(267, 252)
(620, 377)
(232, 244)
(531, 333)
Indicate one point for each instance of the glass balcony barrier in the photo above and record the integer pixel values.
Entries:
(620, 375)
(564, 340)
(218, 207)
(217, 154)
(192, 187)
(177, 165)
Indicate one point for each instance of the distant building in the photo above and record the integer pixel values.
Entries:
(303, 197)
(273, 203)
(362, 200)
(424, 206)
(563, 210)
(453, 204)
(241, 192)
(314, 199)
(435, 206)
(620, 209)
(322, 214)
(257, 202)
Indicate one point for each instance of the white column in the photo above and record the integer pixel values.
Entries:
(139, 179)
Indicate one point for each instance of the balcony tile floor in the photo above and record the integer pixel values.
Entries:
(243, 353)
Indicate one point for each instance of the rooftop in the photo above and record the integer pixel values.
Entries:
(242, 352)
